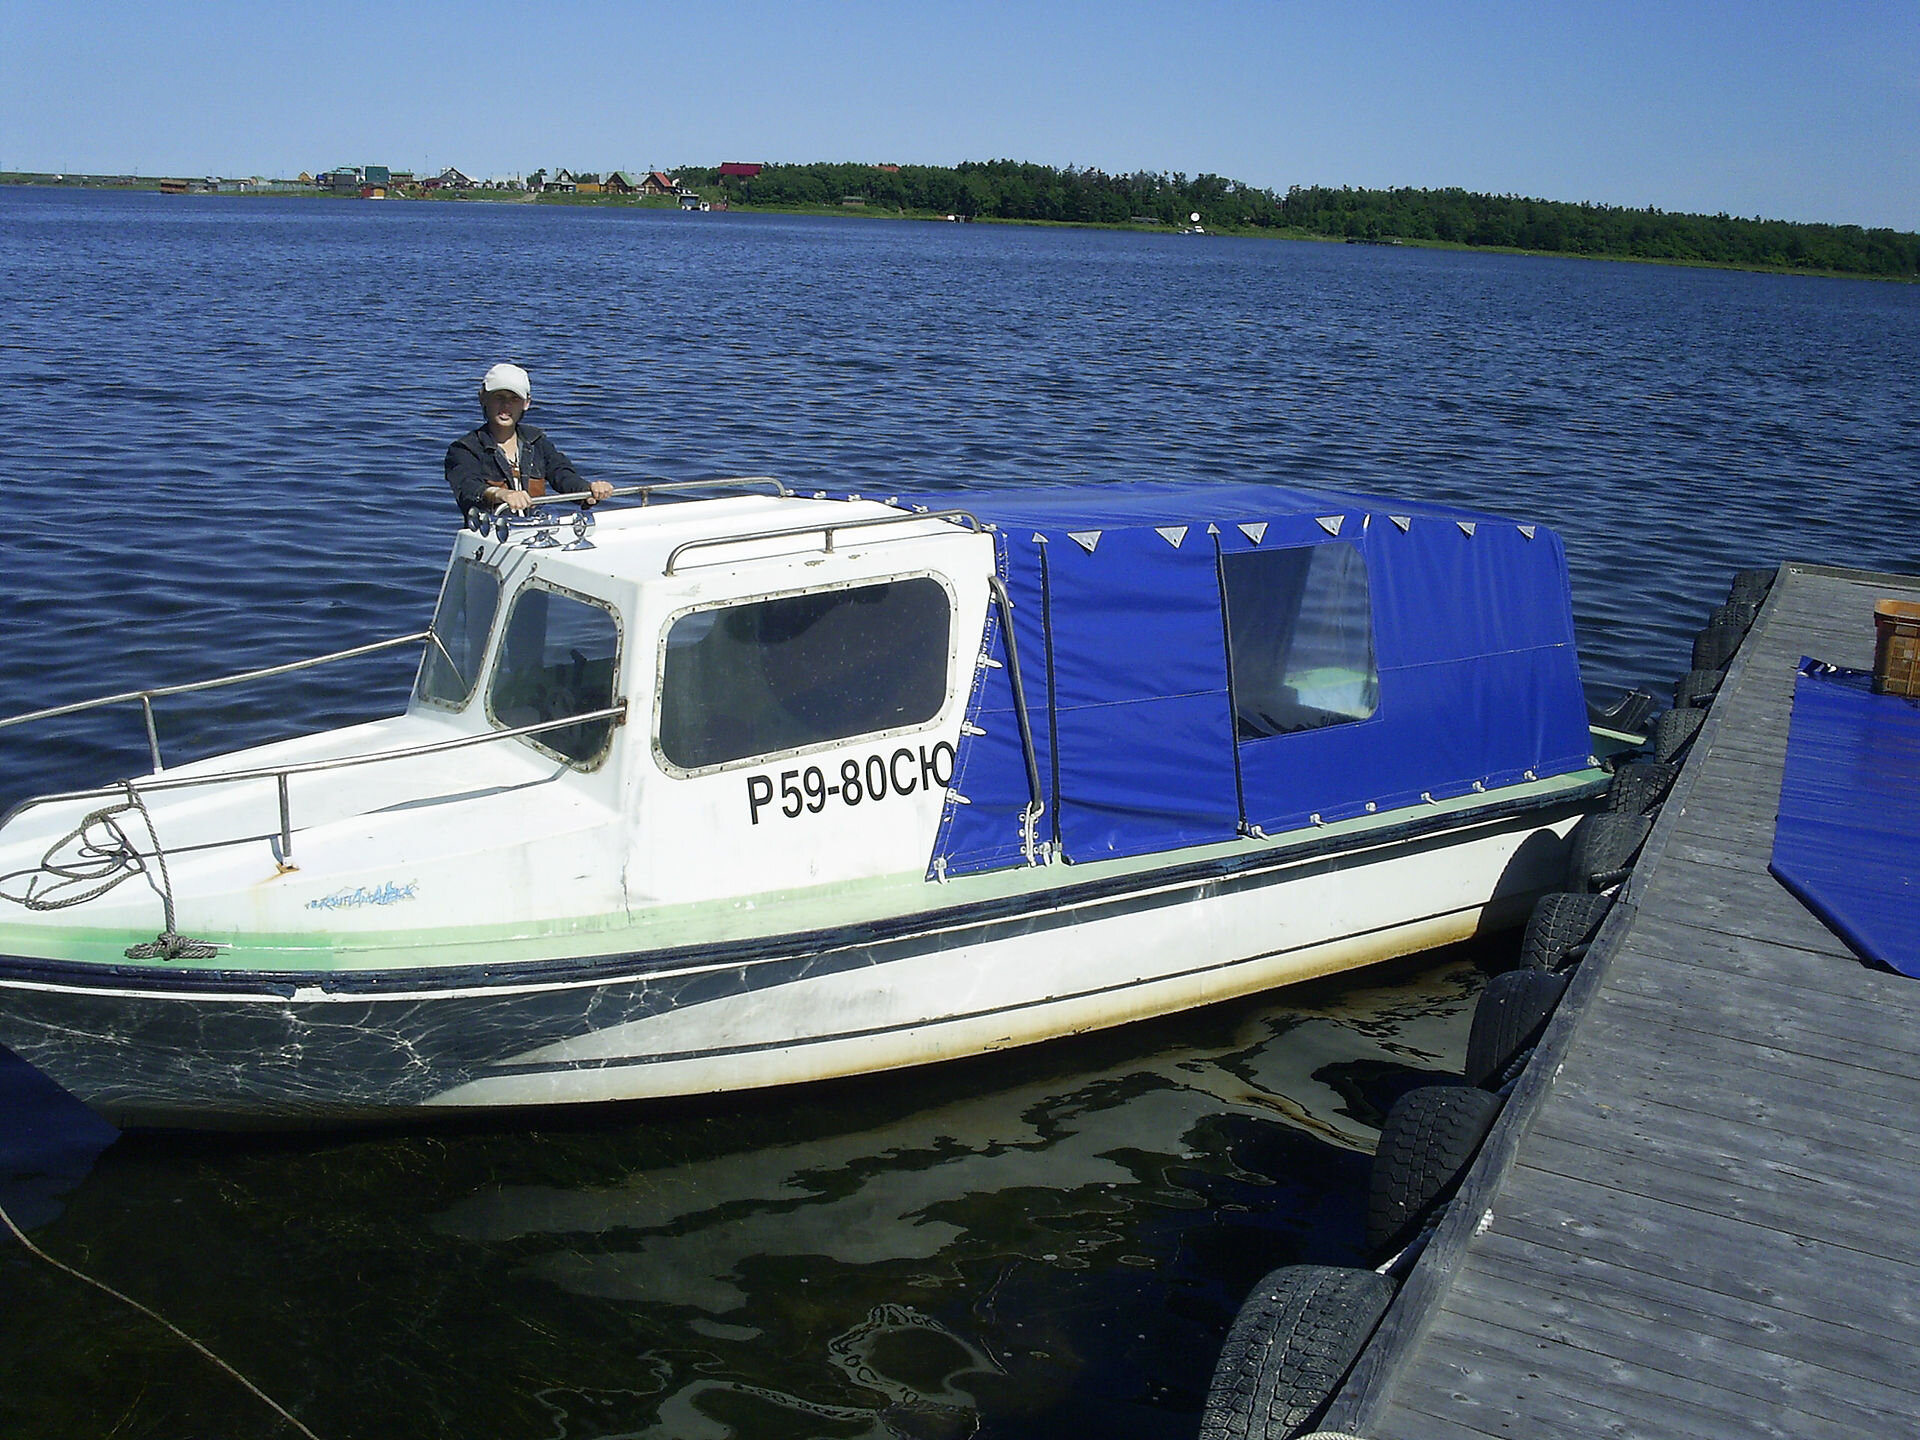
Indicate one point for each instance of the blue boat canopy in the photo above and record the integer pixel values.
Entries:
(1201, 662)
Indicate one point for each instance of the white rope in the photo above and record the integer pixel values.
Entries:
(158, 1319)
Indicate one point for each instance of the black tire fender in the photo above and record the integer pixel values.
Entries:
(1430, 1137)
(1638, 787)
(1697, 686)
(1291, 1345)
(1737, 613)
(1751, 585)
(1601, 849)
(1560, 928)
(1508, 1020)
(1714, 646)
(1674, 731)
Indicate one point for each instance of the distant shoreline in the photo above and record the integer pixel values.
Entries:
(735, 203)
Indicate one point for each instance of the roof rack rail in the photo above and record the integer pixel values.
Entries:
(481, 519)
(825, 529)
(647, 489)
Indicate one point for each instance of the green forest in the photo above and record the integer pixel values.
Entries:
(1014, 190)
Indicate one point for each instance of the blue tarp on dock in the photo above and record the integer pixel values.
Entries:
(1848, 838)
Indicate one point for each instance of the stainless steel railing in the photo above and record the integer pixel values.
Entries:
(825, 529)
(278, 773)
(148, 696)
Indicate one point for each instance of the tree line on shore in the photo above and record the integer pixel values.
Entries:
(1015, 190)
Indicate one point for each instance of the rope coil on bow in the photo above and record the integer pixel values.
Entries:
(100, 864)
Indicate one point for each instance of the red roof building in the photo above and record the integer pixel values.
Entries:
(734, 170)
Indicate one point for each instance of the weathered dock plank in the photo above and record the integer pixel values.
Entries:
(1641, 1298)
(1751, 1384)
(1838, 1176)
(1687, 1170)
(1807, 966)
(1841, 1032)
(1573, 1223)
(1758, 1096)
(1694, 1217)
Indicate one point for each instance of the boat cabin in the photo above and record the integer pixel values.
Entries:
(1054, 674)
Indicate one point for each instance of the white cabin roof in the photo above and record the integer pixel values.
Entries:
(641, 544)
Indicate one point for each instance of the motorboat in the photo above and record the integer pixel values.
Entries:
(718, 786)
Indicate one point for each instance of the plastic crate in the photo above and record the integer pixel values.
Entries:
(1896, 647)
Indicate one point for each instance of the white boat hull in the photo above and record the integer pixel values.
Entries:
(212, 1050)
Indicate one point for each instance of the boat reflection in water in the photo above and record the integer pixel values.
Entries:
(1045, 1241)
(1068, 1245)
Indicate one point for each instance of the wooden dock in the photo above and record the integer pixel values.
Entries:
(1699, 1213)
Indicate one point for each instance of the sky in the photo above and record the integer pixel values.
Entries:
(1794, 111)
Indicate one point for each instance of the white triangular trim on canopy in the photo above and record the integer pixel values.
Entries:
(1466, 527)
(1405, 522)
(1172, 534)
(1085, 539)
(1529, 530)
(1256, 530)
(1038, 538)
(1212, 529)
(1330, 523)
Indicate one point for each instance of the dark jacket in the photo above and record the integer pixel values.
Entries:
(474, 462)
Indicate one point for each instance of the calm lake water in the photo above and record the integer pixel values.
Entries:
(230, 416)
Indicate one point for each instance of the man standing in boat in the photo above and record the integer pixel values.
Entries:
(503, 462)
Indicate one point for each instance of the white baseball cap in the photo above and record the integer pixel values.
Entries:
(507, 377)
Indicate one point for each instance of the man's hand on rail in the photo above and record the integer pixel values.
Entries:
(514, 500)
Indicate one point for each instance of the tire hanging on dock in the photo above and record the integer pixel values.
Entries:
(1291, 1345)
(1696, 689)
(1560, 929)
(1737, 613)
(1751, 585)
(1714, 646)
(1638, 787)
(1674, 731)
(1507, 1022)
(1429, 1140)
(1601, 849)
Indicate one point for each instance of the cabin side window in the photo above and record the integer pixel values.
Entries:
(559, 654)
(461, 625)
(793, 671)
(1299, 639)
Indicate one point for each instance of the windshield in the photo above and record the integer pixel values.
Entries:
(558, 657)
(460, 628)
